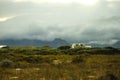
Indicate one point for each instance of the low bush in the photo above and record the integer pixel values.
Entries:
(6, 63)
(64, 47)
(108, 77)
(78, 59)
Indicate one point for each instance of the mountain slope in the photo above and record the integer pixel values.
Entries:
(26, 42)
(117, 44)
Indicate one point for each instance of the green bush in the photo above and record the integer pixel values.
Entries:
(108, 77)
(78, 59)
(6, 63)
(64, 47)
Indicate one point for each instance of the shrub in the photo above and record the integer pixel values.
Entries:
(6, 63)
(109, 47)
(78, 59)
(64, 47)
(108, 77)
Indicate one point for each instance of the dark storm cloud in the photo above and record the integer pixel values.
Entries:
(47, 21)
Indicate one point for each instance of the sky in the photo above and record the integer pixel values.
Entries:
(72, 20)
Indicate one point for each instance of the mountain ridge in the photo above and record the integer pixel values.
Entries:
(54, 43)
(26, 42)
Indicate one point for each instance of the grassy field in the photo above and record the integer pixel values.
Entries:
(21, 64)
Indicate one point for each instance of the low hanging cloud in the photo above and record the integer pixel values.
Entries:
(46, 21)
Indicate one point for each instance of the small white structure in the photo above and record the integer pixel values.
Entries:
(87, 46)
(80, 45)
(3, 46)
(75, 45)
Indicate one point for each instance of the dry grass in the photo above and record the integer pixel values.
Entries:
(92, 67)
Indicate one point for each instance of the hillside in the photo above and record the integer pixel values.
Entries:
(26, 42)
(46, 63)
(117, 45)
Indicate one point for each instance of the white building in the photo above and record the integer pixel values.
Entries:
(87, 46)
(80, 45)
(3, 46)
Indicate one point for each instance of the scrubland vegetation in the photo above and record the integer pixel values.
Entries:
(62, 63)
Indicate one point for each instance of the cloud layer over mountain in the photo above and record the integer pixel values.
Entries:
(33, 19)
